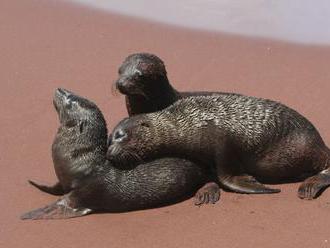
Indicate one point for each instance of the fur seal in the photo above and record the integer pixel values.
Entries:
(90, 183)
(247, 139)
(143, 80)
(77, 141)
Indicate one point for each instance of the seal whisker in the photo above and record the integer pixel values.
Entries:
(114, 89)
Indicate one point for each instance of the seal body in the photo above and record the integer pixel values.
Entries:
(245, 138)
(91, 183)
(152, 184)
(143, 80)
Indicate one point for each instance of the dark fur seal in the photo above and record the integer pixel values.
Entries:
(92, 183)
(247, 138)
(143, 80)
(78, 141)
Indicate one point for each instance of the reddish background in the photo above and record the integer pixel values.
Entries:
(47, 44)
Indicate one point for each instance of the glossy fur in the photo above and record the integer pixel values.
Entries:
(245, 139)
(92, 183)
(143, 80)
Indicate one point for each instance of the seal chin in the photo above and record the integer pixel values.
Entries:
(124, 158)
(113, 152)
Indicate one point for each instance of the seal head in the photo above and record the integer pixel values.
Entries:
(141, 74)
(126, 139)
(74, 110)
(143, 79)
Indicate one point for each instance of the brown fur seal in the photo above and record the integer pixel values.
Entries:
(143, 80)
(77, 141)
(92, 183)
(247, 138)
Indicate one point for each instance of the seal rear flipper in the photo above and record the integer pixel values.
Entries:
(209, 193)
(56, 189)
(313, 186)
(246, 184)
(61, 209)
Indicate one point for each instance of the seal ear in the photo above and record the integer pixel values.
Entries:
(82, 126)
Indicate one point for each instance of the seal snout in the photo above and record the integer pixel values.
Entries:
(114, 149)
(61, 97)
(62, 92)
(124, 85)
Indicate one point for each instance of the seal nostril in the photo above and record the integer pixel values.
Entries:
(62, 91)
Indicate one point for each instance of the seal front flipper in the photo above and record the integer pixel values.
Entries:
(56, 189)
(209, 193)
(245, 184)
(312, 186)
(231, 175)
(63, 208)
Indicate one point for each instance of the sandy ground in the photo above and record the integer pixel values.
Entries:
(46, 44)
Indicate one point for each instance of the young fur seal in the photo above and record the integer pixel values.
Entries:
(78, 141)
(143, 80)
(92, 183)
(247, 138)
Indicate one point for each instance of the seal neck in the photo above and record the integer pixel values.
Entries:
(159, 96)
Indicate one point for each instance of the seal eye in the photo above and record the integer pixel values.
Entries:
(137, 73)
(119, 135)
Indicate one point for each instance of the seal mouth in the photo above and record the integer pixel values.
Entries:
(113, 151)
(124, 87)
(130, 90)
(128, 86)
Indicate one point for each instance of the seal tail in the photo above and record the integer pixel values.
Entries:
(56, 189)
(60, 209)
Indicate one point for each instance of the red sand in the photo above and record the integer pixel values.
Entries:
(45, 44)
